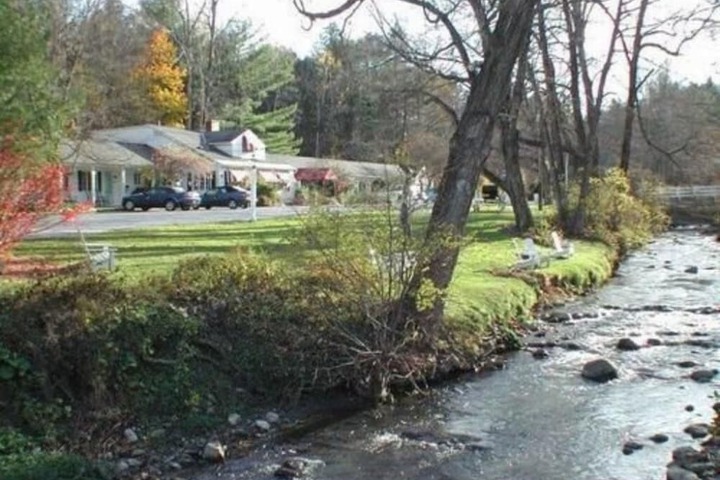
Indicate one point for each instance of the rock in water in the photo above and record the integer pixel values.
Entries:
(599, 370)
(627, 344)
(130, 435)
(540, 353)
(692, 269)
(703, 376)
(698, 430)
(659, 438)
(630, 447)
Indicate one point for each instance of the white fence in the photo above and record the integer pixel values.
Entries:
(693, 191)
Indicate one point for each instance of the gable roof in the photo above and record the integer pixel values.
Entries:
(357, 170)
(94, 154)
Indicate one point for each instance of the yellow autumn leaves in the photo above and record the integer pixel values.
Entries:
(163, 79)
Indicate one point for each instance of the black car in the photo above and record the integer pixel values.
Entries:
(158, 197)
(228, 196)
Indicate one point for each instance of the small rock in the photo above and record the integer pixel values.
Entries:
(130, 435)
(556, 317)
(134, 462)
(677, 473)
(692, 269)
(630, 447)
(696, 342)
(686, 364)
(627, 344)
(272, 417)
(703, 376)
(295, 467)
(599, 370)
(654, 342)
(214, 452)
(478, 446)
(572, 346)
(262, 426)
(701, 468)
(689, 408)
(540, 353)
(659, 438)
(122, 466)
(233, 419)
(668, 333)
(157, 433)
(698, 430)
(175, 466)
(716, 407)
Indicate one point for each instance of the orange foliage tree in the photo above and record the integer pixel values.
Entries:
(163, 79)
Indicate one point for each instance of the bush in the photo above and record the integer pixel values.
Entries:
(618, 216)
(81, 344)
(267, 195)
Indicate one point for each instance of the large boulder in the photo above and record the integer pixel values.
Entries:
(703, 376)
(677, 473)
(599, 370)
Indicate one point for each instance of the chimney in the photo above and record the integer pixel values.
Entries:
(212, 126)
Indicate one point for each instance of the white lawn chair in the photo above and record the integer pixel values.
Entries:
(100, 256)
(563, 248)
(528, 255)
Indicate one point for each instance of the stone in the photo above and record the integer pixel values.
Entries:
(686, 364)
(599, 370)
(716, 407)
(689, 408)
(627, 344)
(233, 419)
(698, 430)
(157, 433)
(262, 426)
(659, 438)
(683, 456)
(572, 346)
(272, 417)
(703, 376)
(697, 342)
(630, 447)
(295, 467)
(556, 317)
(668, 333)
(130, 435)
(701, 468)
(214, 452)
(122, 466)
(654, 342)
(691, 269)
(478, 446)
(540, 353)
(677, 473)
(134, 462)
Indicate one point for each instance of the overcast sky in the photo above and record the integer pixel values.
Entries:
(281, 24)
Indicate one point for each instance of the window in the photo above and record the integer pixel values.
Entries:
(83, 181)
(137, 178)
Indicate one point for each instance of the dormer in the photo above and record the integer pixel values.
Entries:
(243, 144)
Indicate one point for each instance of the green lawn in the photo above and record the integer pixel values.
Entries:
(480, 288)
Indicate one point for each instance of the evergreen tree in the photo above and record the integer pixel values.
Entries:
(266, 102)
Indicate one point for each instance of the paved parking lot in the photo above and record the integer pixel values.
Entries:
(98, 222)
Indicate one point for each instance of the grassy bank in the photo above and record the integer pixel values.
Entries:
(196, 312)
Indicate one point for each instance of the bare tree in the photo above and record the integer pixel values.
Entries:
(503, 31)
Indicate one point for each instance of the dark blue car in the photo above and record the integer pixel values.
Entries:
(228, 196)
(161, 197)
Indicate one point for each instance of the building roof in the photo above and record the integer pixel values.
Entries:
(221, 136)
(355, 170)
(93, 153)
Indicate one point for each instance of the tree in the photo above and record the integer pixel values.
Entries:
(164, 79)
(503, 30)
(262, 102)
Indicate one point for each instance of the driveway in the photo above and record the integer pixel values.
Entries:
(99, 222)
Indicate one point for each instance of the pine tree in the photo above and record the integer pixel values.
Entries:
(164, 79)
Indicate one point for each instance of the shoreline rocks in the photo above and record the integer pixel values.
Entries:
(599, 370)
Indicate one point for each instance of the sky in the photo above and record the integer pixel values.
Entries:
(280, 23)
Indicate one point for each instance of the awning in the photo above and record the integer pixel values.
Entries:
(315, 175)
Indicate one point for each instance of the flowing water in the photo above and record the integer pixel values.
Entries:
(538, 419)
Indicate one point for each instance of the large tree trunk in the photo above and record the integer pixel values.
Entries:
(510, 135)
(469, 148)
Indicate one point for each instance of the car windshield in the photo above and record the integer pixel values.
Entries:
(177, 189)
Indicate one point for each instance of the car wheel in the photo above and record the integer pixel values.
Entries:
(207, 207)
(129, 205)
(232, 204)
(145, 209)
(195, 207)
(185, 207)
(170, 205)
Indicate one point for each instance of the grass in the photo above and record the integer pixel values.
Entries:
(479, 291)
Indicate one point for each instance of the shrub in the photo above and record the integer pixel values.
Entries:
(618, 216)
(79, 344)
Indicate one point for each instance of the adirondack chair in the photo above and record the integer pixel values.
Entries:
(528, 255)
(100, 256)
(563, 248)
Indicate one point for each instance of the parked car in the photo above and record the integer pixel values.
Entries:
(158, 197)
(227, 196)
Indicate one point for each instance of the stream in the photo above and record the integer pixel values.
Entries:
(538, 419)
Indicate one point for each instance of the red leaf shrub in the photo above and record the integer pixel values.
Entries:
(29, 191)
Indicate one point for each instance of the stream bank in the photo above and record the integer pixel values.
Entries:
(538, 418)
